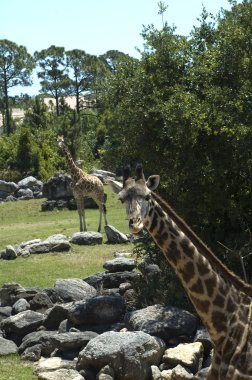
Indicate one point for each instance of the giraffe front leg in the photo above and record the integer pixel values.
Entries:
(100, 219)
(81, 212)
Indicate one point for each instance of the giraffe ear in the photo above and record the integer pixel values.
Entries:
(153, 182)
(115, 185)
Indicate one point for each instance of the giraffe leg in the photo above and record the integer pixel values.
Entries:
(104, 209)
(100, 219)
(81, 212)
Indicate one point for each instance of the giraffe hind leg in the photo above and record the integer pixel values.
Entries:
(104, 209)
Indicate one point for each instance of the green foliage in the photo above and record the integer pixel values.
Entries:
(16, 66)
(184, 110)
(163, 287)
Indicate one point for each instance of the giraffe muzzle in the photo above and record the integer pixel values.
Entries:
(135, 225)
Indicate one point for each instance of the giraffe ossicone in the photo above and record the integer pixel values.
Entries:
(222, 300)
(84, 185)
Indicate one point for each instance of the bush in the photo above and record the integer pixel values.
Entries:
(163, 287)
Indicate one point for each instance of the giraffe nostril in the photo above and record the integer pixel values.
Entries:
(131, 222)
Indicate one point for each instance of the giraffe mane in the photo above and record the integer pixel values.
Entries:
(202, 247)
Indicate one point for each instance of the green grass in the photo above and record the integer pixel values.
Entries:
(13, 368)
(23, 220)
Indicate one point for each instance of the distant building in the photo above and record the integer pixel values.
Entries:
(18, 113)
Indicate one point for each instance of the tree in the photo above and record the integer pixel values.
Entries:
(82, 67)
(16, 66)
(162, 8)
(54, 77)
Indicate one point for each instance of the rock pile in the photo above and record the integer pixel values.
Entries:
(27, 188)
(61, 243)
(90, 329)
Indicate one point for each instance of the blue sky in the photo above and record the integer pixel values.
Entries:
(95, 26)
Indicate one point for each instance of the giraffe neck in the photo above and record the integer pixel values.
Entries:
(74, 170)
(214, 297)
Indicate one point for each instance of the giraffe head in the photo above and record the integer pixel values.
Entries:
(60, 140)
(135, 194)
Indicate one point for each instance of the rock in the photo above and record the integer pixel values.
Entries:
(60, 374)
(165, 322)
(32, 354)
(22, 323)
(202, 374)
(31, 183)
(86, 238)
(8, 293)
(130, 354)
(203, 337)
(69, 341)
(8, 187)
(54, 243)
(188, 355)
(106, 373)
(24, 194)
(7, 347)
(126, 255)
(103, 175)
(40, 302)
(5, 312)
(20, 305)
(55, 315)
(155, 373)
(119, 264)
(56, 369)
(114, 236)
(177, 373)
(9, 254)
(103, 280)
(58, 187)
(147, 268)
(97, 310)
(34, 339)
(48, 205)
(74, 290)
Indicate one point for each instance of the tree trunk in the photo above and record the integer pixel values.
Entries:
(7, 110)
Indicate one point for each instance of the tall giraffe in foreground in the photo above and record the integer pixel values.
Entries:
(222, 300)
(84, 185)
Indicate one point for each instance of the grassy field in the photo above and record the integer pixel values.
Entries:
(23, 220)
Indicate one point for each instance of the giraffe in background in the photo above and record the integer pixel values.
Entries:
(222, 300)
(84, 185)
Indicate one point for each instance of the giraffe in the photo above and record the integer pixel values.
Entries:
(222, 300)
(84, 185)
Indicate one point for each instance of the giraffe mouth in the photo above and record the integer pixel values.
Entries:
(136, 229)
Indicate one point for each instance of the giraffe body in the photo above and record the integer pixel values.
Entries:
(84, 185)
(222, 300)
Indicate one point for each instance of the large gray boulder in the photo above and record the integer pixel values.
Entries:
(54, 243)
(130, 354)
(74, 289)
(69, 341)
(97, 310)
(34, 338)
(22, 323)
(31, 183)
(119, 264)
(114, 236)
(58, 187)
(10, 253)
(86, 238)
(166, 322)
